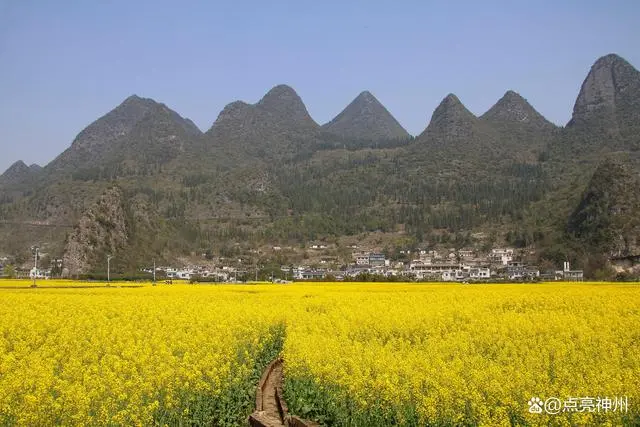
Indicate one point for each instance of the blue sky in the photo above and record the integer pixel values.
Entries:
(65, 63)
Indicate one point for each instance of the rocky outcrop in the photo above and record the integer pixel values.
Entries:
(366, 118)
(102, 230)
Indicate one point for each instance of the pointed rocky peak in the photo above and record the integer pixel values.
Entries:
(278, 95)
(513, 108)
(134, 106)
(366, 118)
(451, 99)
(138, 123)
(366, 96)
(233, 111)
(450, 108)
(35, 168)
(233, 117)
(114, 124)
(366, 99)
(134, 99)
(449, 114)
(284, 104)
(612, 84)
(16, 168)
(610, 60)
(17, 173)
(456, 134)
(281, 109)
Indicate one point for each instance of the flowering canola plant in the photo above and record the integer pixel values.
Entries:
(130, 356)
(464, 354)
(355, 354)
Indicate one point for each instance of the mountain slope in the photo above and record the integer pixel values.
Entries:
(140, 131)
(607, 219)
(366, 118)
(522, 130)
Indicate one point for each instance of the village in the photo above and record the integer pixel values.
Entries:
(500, 264)
(462, 265)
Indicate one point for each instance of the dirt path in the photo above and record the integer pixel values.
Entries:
(269, 411)
(273, 384)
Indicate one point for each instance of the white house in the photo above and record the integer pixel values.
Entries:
(36, 273)
(479, 273)
(501, 256)
(362, 258)
(572, 275)
(183, 274)
(452, 275)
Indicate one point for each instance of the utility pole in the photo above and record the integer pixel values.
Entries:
(35, 250)
(154, 271)
(109, 267)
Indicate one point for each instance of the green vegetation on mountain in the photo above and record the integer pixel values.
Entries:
(607, 219)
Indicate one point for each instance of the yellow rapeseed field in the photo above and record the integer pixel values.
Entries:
(355, 354)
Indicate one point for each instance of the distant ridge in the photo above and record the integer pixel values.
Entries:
(19, 173)
(366, 118)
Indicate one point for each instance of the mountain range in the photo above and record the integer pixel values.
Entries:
(267, 173)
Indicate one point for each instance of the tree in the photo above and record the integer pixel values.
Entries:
(9, 271)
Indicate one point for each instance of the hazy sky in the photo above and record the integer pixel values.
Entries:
(65, 63)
